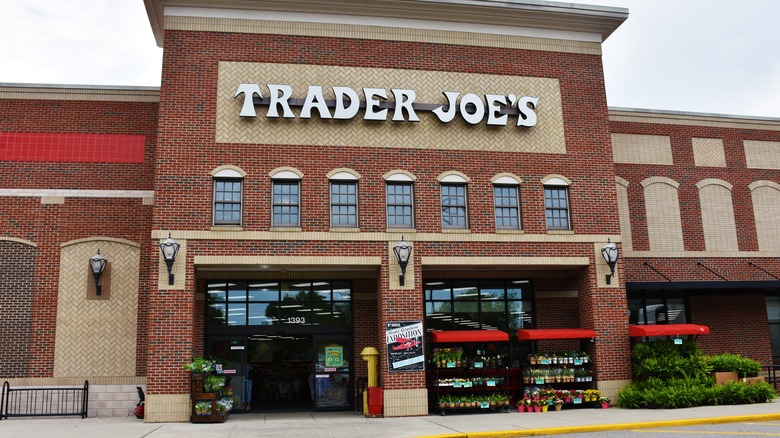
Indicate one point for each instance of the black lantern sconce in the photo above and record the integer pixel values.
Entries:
(169, 249)
(402, 253)
(97, 263)
(611, 252)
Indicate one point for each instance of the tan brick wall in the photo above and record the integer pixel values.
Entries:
(708, 152)
(405, 402)
(664, 226)
(641, 149)
(762, 154)
(766, 208)
(717, 215)
(624, 213)
(429, 133)
(97, 337)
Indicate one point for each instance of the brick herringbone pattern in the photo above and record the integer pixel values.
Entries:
(762, 154)
(708, 152)
(766, 207)
(97, 337)
(429, 133)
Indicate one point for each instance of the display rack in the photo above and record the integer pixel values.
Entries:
(197, 394)
(481, 379)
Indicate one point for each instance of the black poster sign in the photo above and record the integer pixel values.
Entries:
(405, 346)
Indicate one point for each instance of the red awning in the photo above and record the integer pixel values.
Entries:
(469, 336)
(568, 333)
(668, 330)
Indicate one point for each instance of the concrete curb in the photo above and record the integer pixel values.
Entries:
(608, 427)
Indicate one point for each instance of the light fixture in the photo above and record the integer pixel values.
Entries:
(169, 249)
(402, 253)
(97, 263)
(611, 252)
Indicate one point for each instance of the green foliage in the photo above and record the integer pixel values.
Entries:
(743, 366)
(669, 376)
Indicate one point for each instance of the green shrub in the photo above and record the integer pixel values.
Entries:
(743, 366)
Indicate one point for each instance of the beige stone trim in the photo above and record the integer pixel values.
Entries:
(548, 178)
(642, 149)
(228, 167)
(17, 240)
(429, 132)
(289, 232)
(560, 232)
(344, 230)
(76, 381)
(274, 172)
(402, 231)
(379, 33)
(762, 154)
(395, 269)
(179, 268)
(392, 173)
(52, 200)
(100, 239)
(505, 231)
(34, 193)
(611, 388)
(624, 213)
(287, 260)
(167, 408)
(405, 402)
(695, 119)
(662, 209)
(517, 179)
(343, 170)
(453, 174)
(660, 180)
(766, 209)
(708, 152)
(227, 228)
(557, 236)
(91, 93)
(277, 273)
(702, 254)
(756, 184)
(717, 215)
(505, 261)
(456, 231)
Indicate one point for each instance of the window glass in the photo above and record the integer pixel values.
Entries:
(438, 290)
(507, 207)
(263, 291)
(465, 291)
(227, 201)
(453, 206)
(261, 314)
(399, 205)
(342, 291)
(343, 204)
(236, 313)
(286, 204)
(556, 202)
(215, 314)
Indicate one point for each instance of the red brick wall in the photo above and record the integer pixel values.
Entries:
(16, 298)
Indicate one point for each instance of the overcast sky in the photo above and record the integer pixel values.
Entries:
(707, 56)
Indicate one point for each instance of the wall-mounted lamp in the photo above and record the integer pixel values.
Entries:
(611, 252)
(402, 253)
(97, 263)
(169, 249)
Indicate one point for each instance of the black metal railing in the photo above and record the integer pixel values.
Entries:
(39, 402)
(771, 375)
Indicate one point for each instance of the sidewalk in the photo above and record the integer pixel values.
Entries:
(350, 424)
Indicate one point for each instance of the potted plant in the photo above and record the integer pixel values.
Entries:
(199, 365)
(213, 383)
(604, 402)
(203, 408)
(558, 404)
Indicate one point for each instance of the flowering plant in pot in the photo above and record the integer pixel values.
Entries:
(199, 365)
(213, 383)
(604, 402)
(203, 408)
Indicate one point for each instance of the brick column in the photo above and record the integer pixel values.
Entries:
(404, 392)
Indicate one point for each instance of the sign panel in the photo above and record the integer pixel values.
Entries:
(405, 346)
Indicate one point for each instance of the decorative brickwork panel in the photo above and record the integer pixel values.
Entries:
(74, 148)
(708, 152)
(717, 216)
(664, 226)
(429, 133)
(97, 337)
(762, 154)
(625, 215)
(641, 149)
(766, 206)
(17, 274)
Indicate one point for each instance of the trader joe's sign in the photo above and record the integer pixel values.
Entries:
(405, 346)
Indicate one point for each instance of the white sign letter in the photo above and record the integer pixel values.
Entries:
(315, 99)
(342, 112)
(249, 90)
(494, 103)
(472, 101)
(527, 116)
(403, 101)
(372, 102)
(447, 117)
(277, 101)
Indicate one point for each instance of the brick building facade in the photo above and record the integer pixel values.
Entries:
(286, 198)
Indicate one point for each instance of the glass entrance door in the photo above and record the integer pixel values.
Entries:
(332, 385)
(230, 356)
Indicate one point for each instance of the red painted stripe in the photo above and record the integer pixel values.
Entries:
(71, 148)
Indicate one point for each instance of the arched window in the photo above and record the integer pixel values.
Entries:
(228, 195)
(286, 198)
(556, 202)
(399, 188)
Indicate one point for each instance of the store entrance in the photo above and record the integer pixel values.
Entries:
(285, 371)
